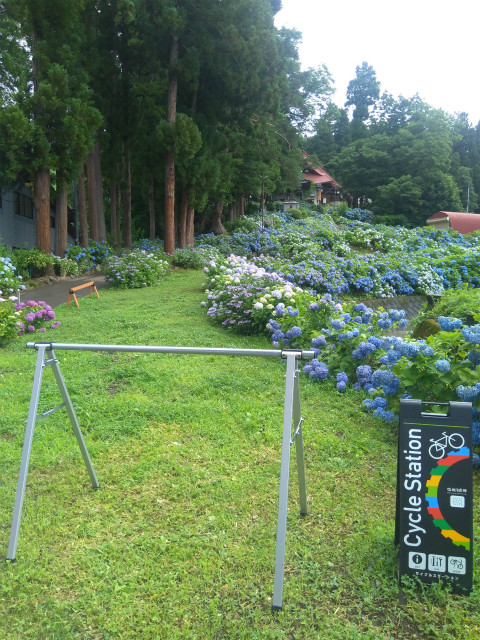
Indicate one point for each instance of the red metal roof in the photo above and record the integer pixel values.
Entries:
(318, 175)
(461, 222)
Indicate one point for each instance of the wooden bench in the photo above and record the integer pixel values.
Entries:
(73, 291)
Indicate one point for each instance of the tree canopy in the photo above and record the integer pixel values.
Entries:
(400, 157)
(96, 82)
(171, 107)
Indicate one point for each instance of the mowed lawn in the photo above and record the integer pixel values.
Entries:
(179, 541)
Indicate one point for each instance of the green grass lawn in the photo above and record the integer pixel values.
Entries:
(179, 542)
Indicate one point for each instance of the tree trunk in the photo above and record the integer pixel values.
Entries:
(114, 212)
(241, 205)
(217, 226)
(183, 218)
(102, 231)
(169, 226)
(190, 234)
(82, 209)
(151, 210)
(232, 212)
(42, 209)
(127, 200)
(92, 196)
(61, 218)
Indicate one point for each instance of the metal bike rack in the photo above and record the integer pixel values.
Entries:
(291, 414)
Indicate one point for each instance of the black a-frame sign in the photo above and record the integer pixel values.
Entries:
(434, 517)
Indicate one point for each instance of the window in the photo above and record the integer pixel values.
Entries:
(23, 206)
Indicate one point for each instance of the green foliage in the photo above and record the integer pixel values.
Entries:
(424, 328)
(32, 262)
(363, 91)
(66, 267)
(188, 258)
(460, 303)
(244, 224)
(135, 269)
(8, 321)
(299, 214)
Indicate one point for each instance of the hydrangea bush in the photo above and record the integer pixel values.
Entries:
(88, 258)
(10, 280)
(35, 316)
(355, 347)
(8, 319)
(321, 254)
(135, 269)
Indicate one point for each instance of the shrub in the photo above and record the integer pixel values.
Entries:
(10, 280)
(32, 262)
(66, 267)
(188, 258)
(135, 269)
(246, 224)
(300, 213)
(35, 316)
(88, 258)
(462, 303)
(8, 321)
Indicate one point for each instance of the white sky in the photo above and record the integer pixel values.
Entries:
(429, 47)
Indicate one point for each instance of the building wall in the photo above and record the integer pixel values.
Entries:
(439, 224)
(17, 229)
(18, 220)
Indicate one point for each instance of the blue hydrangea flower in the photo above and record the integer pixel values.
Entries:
(467, 394)
(449, 324)
(409, 349)
(360, 308)
(443, 365)
(384, 321)
(364, 373)
(319, 341)
(342, 377)
(341, 386)
(396, 314)
(476, 432)
(387, 380)
(294, 332)
(375, 403)
(388, 416)
(472, 334)
(427, 351)
(474, 357)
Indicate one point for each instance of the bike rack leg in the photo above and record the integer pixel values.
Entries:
(27, 447)
(291, 408)
(42, 362)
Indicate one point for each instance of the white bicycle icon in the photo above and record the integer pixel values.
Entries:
(438, 447)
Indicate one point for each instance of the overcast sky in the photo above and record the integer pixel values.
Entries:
(429, 47)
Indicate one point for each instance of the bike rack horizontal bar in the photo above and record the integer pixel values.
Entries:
(207, 351)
